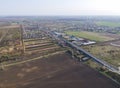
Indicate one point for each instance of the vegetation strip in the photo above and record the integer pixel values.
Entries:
(89, 35)
(22, 62)
(107, 23)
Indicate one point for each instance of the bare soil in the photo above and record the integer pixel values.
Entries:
(115, 36)
(58, 71)
(117, 42)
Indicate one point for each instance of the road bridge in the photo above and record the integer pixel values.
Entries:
(98, 60)
(108, 66)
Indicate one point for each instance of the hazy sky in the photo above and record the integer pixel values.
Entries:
(59, 7)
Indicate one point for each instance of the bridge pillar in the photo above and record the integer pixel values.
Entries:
(72, 52)
(119, 69)
(2, 66)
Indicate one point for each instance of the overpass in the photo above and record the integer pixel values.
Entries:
(103, 63)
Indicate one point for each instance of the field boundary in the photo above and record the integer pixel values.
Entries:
(33, 59)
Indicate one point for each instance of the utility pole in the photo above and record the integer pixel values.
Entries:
(22, 41)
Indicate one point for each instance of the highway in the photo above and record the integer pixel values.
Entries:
(108, 66)
(103, 63)
(70, 44)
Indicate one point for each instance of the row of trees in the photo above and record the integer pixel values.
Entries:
(7, 58)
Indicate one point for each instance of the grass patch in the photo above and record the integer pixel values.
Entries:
(107, 53)
(110, 24)
(89, 35)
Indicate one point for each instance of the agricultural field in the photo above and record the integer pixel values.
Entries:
(58, 71)
(9, 27)
(10, 40)
(30, 48)
(9, 34)
(43, 45)
(90, 35)
(106, 52)
(106, 23)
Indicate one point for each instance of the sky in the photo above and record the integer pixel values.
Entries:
(59, 7)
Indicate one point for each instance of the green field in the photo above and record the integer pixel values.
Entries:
(110, 24)
(89, 35)
(108, 53)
